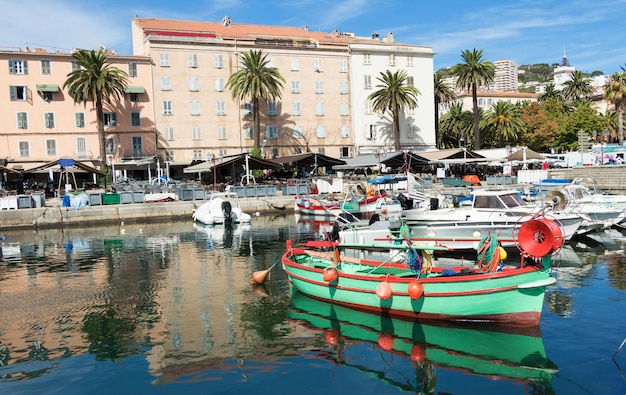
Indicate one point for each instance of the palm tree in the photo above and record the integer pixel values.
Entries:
(455, 126)
(97, 81)
(504, 118)
(550, 93)
(443, 95)
(394, 95)
(473, 73)
(615, 92)
(256, 80)
(578, 87)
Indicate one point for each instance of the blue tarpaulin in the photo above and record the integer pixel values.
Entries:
(386, 179)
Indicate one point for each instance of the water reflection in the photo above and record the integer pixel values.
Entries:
(178, 298)
(412, 351)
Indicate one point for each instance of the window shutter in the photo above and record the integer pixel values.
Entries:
(11, 66)
(25, 66)
(13, 90)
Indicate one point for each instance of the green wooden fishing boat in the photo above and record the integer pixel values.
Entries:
(408, 287)
(495, 351)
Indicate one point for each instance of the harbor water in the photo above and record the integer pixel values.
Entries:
(169, 308)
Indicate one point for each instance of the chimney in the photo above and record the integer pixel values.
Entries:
(375, 36)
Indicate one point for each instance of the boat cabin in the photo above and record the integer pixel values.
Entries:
(501, 200)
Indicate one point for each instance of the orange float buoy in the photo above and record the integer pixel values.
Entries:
(332, 337)
(383, 290)
(416, 289)
(418, 354)
(385, 341)
(330, 274)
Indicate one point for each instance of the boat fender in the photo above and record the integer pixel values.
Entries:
(385, 341)
(330, 274)
(383, 290)
(416, 289)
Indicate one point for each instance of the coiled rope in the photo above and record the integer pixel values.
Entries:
(488, 254)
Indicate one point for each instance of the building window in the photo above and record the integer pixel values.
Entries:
(296, 132)
(133, 97)
(22, 120)
(345, 131)
(319, 86)
(81, 147)
(392, 60)
(169, 156)
(271, 132)
(412, 131)
(409, 61)
(167, 107)
(47, 96)
(79, 119)
(219, 85)
(366, 59)
(295, 65)
(343, 108)
(51, 147)
(18, 93)
(137, 142)
(74, 65)
(197, 154)
(271, 107)
(194, 84)
(196, 133)
(295, 108)
(321, 132)
(343, 87)
(217, 60)
(168, 132)
(221, 132)
(368, 107)
(409, 81)
(481, 102)
(318, 65)
(367, 82)
(370, 132)
(46, 67)
(109, 147)
(18, 66)
(344, 152)
(319, 108)
(195, 107)
(166, 83)
(247, 132)
(343, 66)
(109, 119)
(164, 60)
(295, 86)
(48, 119)
(223, 153)
(297, 150)
(221, 107)
(135, 118)
(192, 60)
(24, 148)
(247, 108)
(132, 69)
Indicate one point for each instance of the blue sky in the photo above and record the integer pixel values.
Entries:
(591, 33)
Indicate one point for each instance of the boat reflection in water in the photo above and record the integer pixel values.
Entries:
(493, 351)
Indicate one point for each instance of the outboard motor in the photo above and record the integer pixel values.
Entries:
(374, 218)
(434, 203)
(405, 202)
(227, 210)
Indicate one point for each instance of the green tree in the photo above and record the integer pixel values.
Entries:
(394, 95)
(97, 81)
(578, 87)
(504, 119)
(455, 127)
(443, 95)
(615, 92)
(256, 80)
(473, 73)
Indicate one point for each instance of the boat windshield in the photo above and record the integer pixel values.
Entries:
(503, 201)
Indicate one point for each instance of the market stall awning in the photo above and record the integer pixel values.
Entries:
(310, 159)
(65, 163)
(234, 162)
(135, 89)
(47, 88)
(389, 159)
(525, 154)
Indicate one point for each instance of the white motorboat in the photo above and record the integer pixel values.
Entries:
(222, 207)
(498, 212)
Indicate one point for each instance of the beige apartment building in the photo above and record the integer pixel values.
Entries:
(41, 123)
(197, 118)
